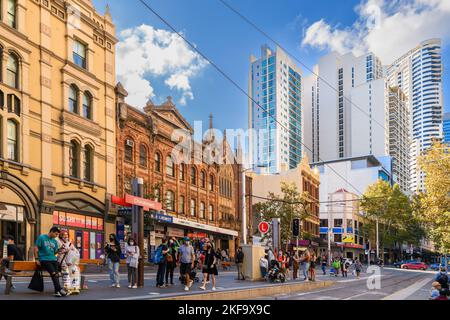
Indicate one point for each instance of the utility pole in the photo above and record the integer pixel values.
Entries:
(378, 243)
(138, 228)
(244, 211)
(329, 232)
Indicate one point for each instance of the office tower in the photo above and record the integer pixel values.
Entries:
(399, 138)
(345, 107)
(275, 84)
(419, 74)
(446, 127)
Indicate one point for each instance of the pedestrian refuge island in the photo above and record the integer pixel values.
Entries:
(252, 255)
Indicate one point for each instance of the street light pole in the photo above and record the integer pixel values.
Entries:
(329, 234)
(138, 226)
(244, 211)
(378, 243)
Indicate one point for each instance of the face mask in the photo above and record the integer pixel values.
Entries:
(131, 243)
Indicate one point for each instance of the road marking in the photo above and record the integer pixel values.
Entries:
(406, 292)
(366, 293)
(154, 293)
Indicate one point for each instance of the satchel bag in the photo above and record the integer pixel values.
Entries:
(37, 282)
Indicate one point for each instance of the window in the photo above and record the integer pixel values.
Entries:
(2, 96)
(1, 60)
(13, 104)
(182, 172)
(79, 54)
(211, 212)
(170, 171)
(211, 183)
(181, 205)
(11, 14)
(193, 208)
(143, 156)
(157, 162)
(203, 179)
(193, 176)
(12, 71)
(158, 195)
(202, 210)
(338, 238)
(338, 223)
(129, 150)
(87, 105)
(170, 201)
(73, 99)
(74, 159)
(88, 160)
(12, 141)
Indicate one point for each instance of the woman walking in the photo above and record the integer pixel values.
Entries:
(287, 264)
(296, 264)
(358, 267)
(171, 259)
(312, 267)
(68, 261)
(210, 266)
(132, 254)
(324, 265)
(113, 252)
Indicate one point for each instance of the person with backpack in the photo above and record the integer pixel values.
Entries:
(239, 262)
(186, 258)
(13, 253)
(113, 252)
(171, 258)
(132, 259)
(442, 278)
(161, 261)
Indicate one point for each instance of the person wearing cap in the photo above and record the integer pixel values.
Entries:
(186, 259)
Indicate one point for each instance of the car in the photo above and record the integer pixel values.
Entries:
(415, 266)
(435, 266)
(398, 264)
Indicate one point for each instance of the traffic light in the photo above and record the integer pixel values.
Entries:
(296, 227)
(367, 245)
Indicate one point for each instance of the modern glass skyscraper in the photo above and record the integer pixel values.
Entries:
(419, 74)
(275, 83)
(446, 127)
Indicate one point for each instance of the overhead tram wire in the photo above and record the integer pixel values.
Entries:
(312, 201)
(295, 58)
(226, 76)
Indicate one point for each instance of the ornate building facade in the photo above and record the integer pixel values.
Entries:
(199, 196)
(57, 160)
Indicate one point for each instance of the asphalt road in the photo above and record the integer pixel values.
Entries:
(395, 284)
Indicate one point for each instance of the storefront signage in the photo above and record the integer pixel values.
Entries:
(338, 230)
(348, 239)
(323, 230)
(349, 245)
(197, 235)
(174, 232)
(162, 217)
(263, 227)
(141, 202)
(206, 227)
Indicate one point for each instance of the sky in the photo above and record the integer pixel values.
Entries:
(153, 62)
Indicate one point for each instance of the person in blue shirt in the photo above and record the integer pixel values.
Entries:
(45, 250)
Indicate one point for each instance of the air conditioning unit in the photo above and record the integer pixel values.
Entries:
(129, 143)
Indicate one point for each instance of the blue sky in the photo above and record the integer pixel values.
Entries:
(229, 41)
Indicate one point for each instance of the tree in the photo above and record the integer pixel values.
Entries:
(434, 205)
(289, 205)
(394, 213)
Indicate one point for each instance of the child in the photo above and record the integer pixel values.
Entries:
(435, 290)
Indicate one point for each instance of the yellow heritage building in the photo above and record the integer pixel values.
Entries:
(57, 121)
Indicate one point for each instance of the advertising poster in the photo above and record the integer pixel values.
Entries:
(120, 232)
(88, 223)
(145, 249)
(92, 247)
(100, 224)
(79, 241)
(98, 245)
(72, 236)
(85, 245)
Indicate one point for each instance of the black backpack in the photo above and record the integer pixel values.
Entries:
(443, 280)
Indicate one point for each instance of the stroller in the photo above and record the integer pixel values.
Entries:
(192, 275)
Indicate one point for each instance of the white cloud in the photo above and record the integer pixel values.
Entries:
(389, 28)
(145, 51)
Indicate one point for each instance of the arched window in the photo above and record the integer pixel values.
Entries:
(88, 162)
(193, 176)
(12, 71)
(143, 156)
(2, 96)
(203, 179)
(211, 212)
(182, 172)
(211, 182)
(73, 99)
(1, 59)
(74, 159)
(193, 208)
(11, 19)
(157, 162)
(13, 104)
(202, 210)
(87, 105)
(170, 171)
(157, 194)
(170, 200)
(181, 205)
(129, 147)
(13, 144)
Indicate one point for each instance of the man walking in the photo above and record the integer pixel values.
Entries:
(239, 263)
(12, 254)
(186, 257)
(45, 250)
(160, 257)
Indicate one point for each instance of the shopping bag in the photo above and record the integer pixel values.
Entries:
(37, 282)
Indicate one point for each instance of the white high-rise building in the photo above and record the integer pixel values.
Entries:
(275, 82)
(346, 104)
(419, 74)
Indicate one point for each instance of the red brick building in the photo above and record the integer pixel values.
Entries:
(202, 198)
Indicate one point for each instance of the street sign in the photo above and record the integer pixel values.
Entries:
(142, 202)
(263, 227)
(296, 227)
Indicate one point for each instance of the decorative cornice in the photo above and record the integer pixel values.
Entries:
(80, 123)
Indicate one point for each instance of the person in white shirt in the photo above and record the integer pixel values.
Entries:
(132, 254)
(264, 266)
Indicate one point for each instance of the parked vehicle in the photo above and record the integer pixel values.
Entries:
(398, 264)
(415, 266)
